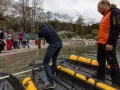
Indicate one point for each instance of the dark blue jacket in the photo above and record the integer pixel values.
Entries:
(49, 33)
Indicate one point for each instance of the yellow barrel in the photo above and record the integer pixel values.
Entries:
(85, 60)
(73, 57)
(94, 62)
(69, 71)
(28, 84)
(58, 67)
(104, 86)
(81, 76)
(92, 81)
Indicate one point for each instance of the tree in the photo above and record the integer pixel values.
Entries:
(95, 32)
(23, 11)
(79, 30)
(90, 25)
(12, 23)
(70, 27)
(37, 13)
(49, 15)
(80, 25)
(28, 13)
(4, 7)
(80, 21)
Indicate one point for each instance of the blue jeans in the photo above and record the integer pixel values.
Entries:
(51, 52)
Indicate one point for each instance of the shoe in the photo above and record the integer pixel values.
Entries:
(98, 77)
(115, 86)
(48, 85)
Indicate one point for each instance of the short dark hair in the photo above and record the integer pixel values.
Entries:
(41, 25)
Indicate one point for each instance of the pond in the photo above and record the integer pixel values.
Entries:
(88, 51)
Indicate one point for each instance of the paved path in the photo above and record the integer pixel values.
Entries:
(31, 45)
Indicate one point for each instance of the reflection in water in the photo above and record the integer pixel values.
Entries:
(88, 51)
(79, 50)
(20, 64)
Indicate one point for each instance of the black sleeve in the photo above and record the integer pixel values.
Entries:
(115, 26)
(115, 15)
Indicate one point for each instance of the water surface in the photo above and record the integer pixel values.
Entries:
(88, 51)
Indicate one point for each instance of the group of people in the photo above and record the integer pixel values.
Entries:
(13, 41)
(109, 29)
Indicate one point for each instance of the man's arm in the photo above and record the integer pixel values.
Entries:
(39, 43)
(115, 26)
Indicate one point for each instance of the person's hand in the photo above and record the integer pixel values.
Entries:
(109, 47)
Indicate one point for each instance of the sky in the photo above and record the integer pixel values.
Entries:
(85, 8)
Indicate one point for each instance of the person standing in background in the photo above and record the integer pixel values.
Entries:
(8, 40)
(27, 36)
(21, 35)
(107, 41)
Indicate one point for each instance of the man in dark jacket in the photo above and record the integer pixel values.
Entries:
(55, 45)
(107, 41)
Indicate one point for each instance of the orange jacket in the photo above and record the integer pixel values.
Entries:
(104, 28)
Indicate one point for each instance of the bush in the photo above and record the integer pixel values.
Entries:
(69, 35)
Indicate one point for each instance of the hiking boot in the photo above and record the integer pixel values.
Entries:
(98, 77)
(48, 85)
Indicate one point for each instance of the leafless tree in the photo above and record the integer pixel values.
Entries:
(91, 21)
(4, 5)
(80, 19)
(22, 10)
(37, 12)
(28, 10)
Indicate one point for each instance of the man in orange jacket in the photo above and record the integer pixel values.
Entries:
(107, 41)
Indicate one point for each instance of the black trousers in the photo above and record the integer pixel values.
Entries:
(2, 45)
(110, 57)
